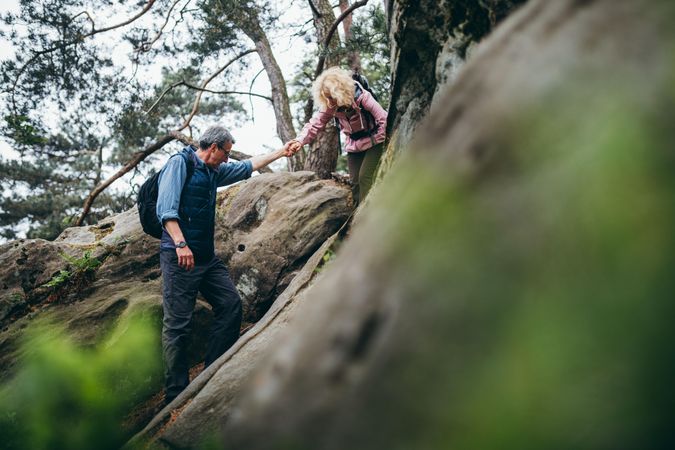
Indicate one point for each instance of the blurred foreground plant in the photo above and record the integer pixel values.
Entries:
(65, 397)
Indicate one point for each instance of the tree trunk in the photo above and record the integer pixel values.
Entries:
(354, 56)
(246, 19)
(510, 284)
(324, 151)
(99, 165)
(282, 110)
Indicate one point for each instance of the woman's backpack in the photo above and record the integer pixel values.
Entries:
(361, 121)
(363, 81)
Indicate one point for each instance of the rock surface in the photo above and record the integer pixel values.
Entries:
(431, 42)
(193, 416)
(256, 221)
(267, 230)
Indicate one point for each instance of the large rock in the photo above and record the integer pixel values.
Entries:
(430, 43)
(256, 220)
(516, 291)
(268, 227)
(267, 232)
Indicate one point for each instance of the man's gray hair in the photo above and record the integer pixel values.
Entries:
(215, 134)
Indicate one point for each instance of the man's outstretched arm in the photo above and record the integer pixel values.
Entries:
(260, 161)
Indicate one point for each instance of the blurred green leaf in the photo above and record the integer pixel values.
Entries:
(66, 397)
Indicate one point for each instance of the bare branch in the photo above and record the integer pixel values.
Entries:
(146, 46)
(250, 88)
(133, 162)
(183, 139)
(164, 92)
(195, 107)
(331, 32)
(227, 92)
(126, 22)
(315, 11)
(86, 13)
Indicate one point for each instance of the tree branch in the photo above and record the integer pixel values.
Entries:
(164, 92)
(146, 46)
(195, 106)
(229, 92)
(78, 39)
(250, 100)
(331, 32)
(126, 22)
(315, 11)
(86, 13)
(135, 160)
(197, 88)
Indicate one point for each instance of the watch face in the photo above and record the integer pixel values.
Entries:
(181, 244)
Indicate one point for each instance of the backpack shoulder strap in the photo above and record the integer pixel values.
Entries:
(363, 82)
(189, 165)
(358, 90)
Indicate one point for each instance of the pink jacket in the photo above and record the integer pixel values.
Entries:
(365, 101)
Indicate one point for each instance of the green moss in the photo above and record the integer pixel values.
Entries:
(17, 297)
(327, 257)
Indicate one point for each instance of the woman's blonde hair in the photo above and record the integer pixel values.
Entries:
(335, 82)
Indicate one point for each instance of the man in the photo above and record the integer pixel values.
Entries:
(187, 258)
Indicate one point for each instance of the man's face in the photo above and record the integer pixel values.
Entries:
(218, 155)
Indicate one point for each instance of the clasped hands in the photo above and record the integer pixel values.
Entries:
(291, 147)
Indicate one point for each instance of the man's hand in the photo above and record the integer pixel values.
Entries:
(186, 259)
(287, 150)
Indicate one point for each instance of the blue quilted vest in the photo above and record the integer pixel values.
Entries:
(197, 211)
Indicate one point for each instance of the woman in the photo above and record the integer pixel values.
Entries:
(338, 95)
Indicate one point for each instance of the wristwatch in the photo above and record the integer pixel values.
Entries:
(181, 244)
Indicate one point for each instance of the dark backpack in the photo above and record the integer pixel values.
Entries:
(364, 82)
(147, 200)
